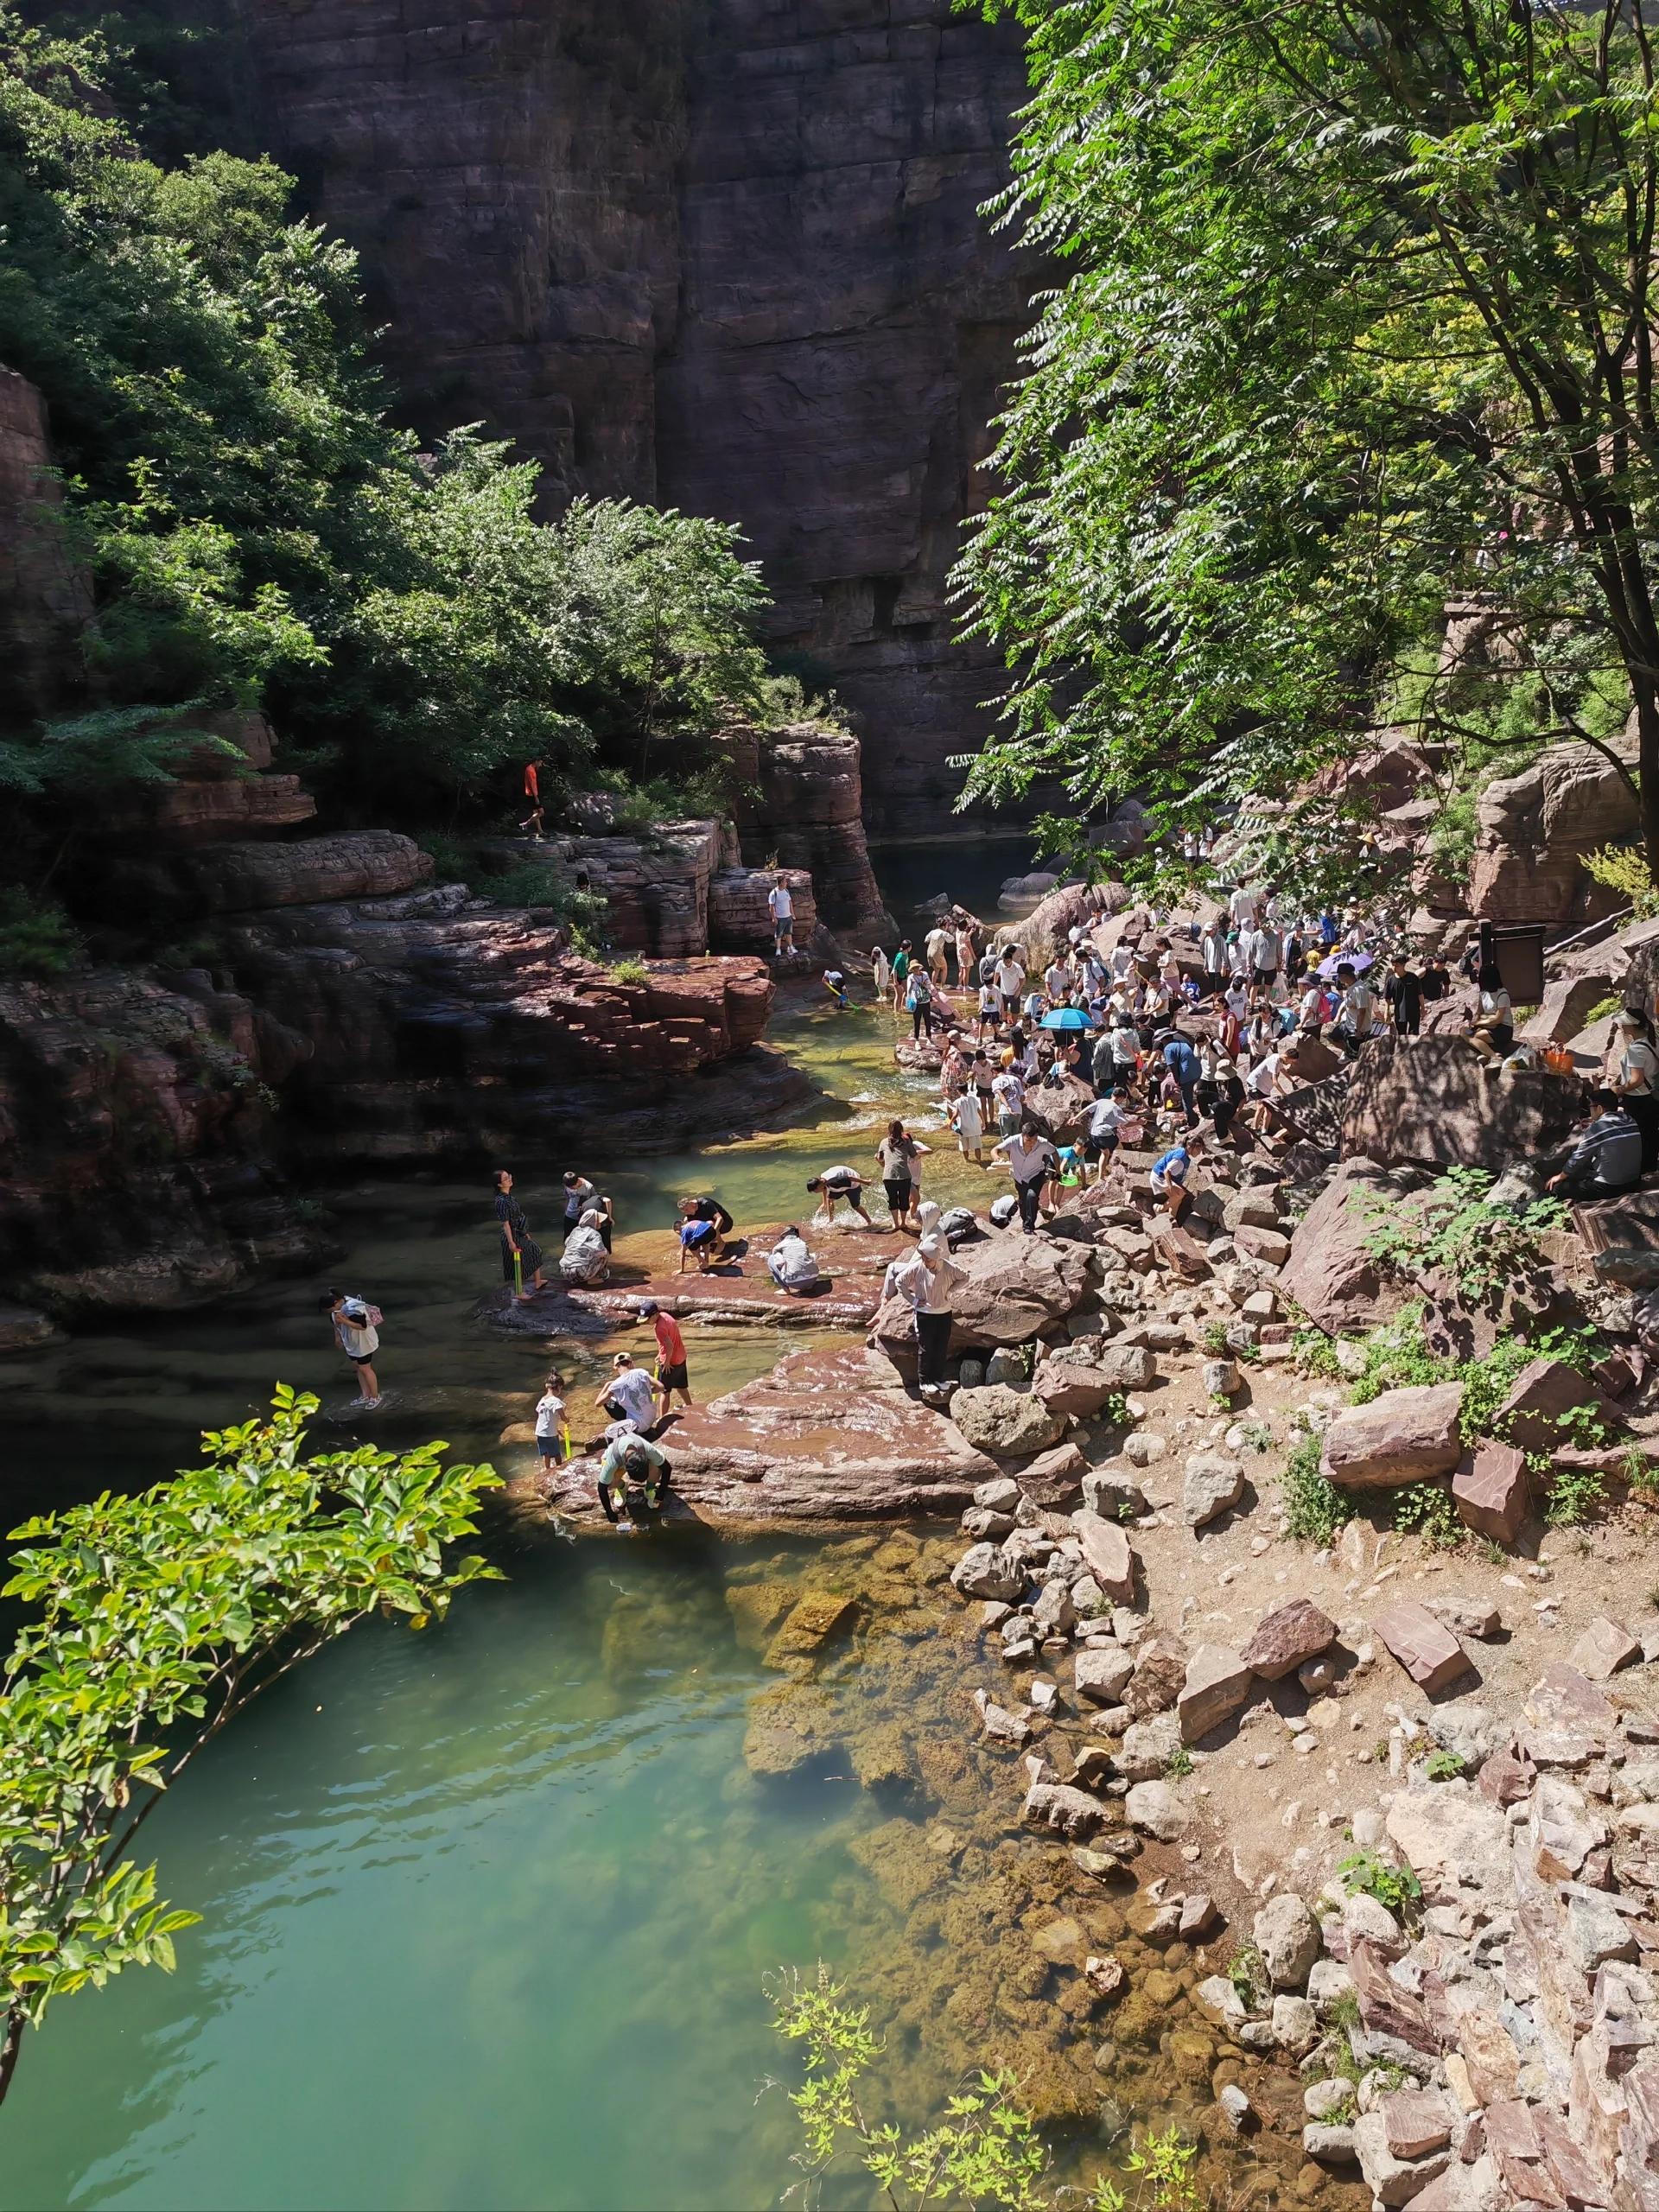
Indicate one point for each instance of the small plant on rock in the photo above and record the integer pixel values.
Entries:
(1179, 1764)
(631, 972)
(1444, 1766)
(1576, 1495)
(1215, 1339)
(1453, 1228)
(1363, 1873)
(1428, 1509)
(1248, 1974)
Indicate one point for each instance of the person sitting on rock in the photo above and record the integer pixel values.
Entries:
(1607, 1157)
(836, 1183)
(791, 1264)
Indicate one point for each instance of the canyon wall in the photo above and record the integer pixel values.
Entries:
(725, 258)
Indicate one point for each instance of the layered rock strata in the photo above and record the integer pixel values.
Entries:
(729, 260)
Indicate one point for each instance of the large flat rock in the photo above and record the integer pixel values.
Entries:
(829, 1436)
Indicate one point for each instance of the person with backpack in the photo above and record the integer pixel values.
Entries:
(357, 1332)
(918, 1002)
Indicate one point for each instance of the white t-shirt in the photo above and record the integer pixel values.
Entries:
(1102, 1123)
(1056, 977)
(631, 1388)
(1241, 904)
(1639, 1059)
(1496, 1002)
(1359, 1004)
(358, 1340)
(1028, 1156)
(1009, 978)
(1123, 960)
(1263, 1074)
(779, 904)
(1008, 1092)
(550, 1414)
(938, 943)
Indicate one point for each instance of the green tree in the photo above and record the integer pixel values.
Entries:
(1354, 316)
(159, 1618)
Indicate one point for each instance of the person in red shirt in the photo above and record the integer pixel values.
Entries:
(670, 1353)
(533, 821)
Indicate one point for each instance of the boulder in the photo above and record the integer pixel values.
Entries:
(1012, 1424)
(1112, 1494)
(1106, 1554)
(1070, 1812)
(1148, 1747)
(1270, 1246)
(1426, 1647)
(1102, 1676)
(1391, 2180)
(1544, 1390)
(1218, 1686)
(1532, 830)
(255, 876)
(1160, 1671)
(1435, 1101)
(826, 1435)
(1284, 1639)
(1287, 1936)
(985, 1572)
(1212, 1483)
(1602, 1650)
(1012, 1288)
(1330, 1274)
(1053, 1477)
(1492, 1491)
(1155, 1807)
(1402, 1437)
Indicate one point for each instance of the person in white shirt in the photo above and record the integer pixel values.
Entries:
(360, 1339)
(1057, 980)
(1010, 1095)
(1238, 998)
(1358, 1010)
(1031, 1159)
(1493, 1031)
(630, 1394)
(925, 1278)
(938, 946)
(1101, 1142)
(1266, 951)
(1635, 1077)
(1123, 960)
(781, 907)
(552, 1430)
(1010, 981)
(965, 959)
(791, 1265)
(1212, 950)
(1242, 905)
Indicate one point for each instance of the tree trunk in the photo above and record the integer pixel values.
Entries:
(10, 2047)
(1645, 689)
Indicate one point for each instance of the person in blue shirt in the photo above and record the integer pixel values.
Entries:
(1330, 928)
(1184, 1065)
(1169, 1179)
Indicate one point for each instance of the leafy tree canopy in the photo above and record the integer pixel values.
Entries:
(259, 531)
(156, 1618)
(1353, 318)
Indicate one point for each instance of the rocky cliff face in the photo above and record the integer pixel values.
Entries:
(726, 258)
(45, 602)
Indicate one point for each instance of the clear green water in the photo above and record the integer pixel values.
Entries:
(486, 1913)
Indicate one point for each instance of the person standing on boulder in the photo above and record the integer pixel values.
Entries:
(1031, 1159)
(1635, 1077)
(781, 907)
(1404, 994)
(357, 1333)
(521, 1255)
(671, 1370)
(926, 1279)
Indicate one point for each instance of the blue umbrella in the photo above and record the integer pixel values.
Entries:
(1067, 1017)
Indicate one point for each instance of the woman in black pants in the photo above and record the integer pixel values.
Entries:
(930, 1275)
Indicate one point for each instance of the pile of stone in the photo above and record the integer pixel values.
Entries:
(1494, 2043)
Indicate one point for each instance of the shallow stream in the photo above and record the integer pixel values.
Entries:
(487, 1913)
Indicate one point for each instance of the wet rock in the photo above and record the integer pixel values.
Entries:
(1287, 1936)
(1053, 1614)
(1603, 1648)
(1103, 1974)
(1102, 1676)
(985, 1572)
(1282, 1640)
(1492, 1491)
(1426, 1647)
(986, 1526)
(1070, 1812)
(1062, 1942)
(1213, 1484)
(1106, 1554)
(1107, 1857)
(1011, 1424)
(22, 1330)
(1218, 1685)
(1221, 2001)
(757, 1608)
(1000, 1725)
(1154, 1806)
(789, 1729)
(1402, 1437)
(884, 1760)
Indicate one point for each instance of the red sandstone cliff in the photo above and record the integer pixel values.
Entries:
(724, 258)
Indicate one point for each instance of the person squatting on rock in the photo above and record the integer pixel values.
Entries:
(791, 1265)
(357, 1332)
(630, 1457)
(630, 1395)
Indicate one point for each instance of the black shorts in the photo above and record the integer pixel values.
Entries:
(550, 1447)
(898, 1195)
(361, 1358)
(672, 1378)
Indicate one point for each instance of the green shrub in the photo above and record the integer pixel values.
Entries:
(1427, 1508)
(1444, 1766)
(36, 941)
(1453, 1228)
(1315, 1511)
(1396, 1887)
(631, 972)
